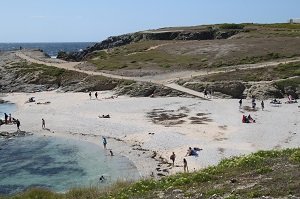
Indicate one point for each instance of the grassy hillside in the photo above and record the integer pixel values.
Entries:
(256, 43)
(265, 173)
(23, 73)
(282, 71)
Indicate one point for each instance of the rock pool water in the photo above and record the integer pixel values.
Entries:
(6, 108)
(58, 164)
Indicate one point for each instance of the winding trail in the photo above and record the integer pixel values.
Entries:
(162, 79)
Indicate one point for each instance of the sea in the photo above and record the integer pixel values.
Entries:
(51, 49)
(56, 163)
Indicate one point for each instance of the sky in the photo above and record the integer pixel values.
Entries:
(95, 20)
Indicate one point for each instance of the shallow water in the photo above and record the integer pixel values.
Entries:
(6, 108)
(58, 164)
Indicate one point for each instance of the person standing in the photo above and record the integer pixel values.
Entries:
(43, 124)
(111, 153)
(185, 166)
(240, 102)
(96, 95)
(90, 94)
(104, 142)
(262, 105)
(253, 102)
(172, 157)
(6, 118)
(9, 118)
(205, 92)
(18, 124)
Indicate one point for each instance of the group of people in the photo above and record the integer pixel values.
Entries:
(190, 152)
(96, 95)
(253, 103)
(247, 119)
(104, 116)
(185, 166)
(208, 93)
(104, 141)
(291, 100)
(8, 119)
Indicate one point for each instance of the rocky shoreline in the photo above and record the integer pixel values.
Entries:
(7, 135)
(19, 76)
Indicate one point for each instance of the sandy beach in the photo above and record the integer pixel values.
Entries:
(139, 126)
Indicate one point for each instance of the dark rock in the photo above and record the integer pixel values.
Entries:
(177, 191)
(293, 91)
(264, 91)
(146, 89)
(234, 89)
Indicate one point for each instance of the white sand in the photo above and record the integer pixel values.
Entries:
(74, 114)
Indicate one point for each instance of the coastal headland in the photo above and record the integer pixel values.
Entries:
(165, 93)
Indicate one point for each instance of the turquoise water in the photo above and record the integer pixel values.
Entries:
(58, 164)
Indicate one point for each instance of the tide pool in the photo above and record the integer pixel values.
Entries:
(6, 108)
(58, 164)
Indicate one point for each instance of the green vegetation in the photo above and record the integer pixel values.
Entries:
(294, 83)
(172, 55)
(25, 67)
(252, 59)
(145, 54)
(231, 26)
(255, 43)
(281, 25)
(282, 71)
(55, 77)
(274, 173)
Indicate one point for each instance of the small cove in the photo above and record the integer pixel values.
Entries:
(57, 163)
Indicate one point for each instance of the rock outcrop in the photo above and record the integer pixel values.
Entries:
(233, 89)
(239, 89)
(145, 89)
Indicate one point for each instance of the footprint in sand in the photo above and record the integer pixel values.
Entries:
(220, 137)
(221, 151)
(290, 137)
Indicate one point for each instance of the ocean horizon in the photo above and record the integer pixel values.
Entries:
(51, 48)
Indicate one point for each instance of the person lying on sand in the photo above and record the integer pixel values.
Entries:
(291, 102)
(275, 101)
(104, 116)
(43, 102)
(31, 99)
(111, 97)
(191, 152)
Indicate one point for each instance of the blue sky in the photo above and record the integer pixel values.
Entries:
(95, 20)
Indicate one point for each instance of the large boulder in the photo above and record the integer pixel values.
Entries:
(146, 89)
(264, 91)
(234, 89)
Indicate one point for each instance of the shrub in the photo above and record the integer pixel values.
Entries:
(295, 157)
(231, 26)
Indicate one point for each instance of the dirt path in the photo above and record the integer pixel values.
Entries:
(166, 79)
(71, 66)
(186, 90)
